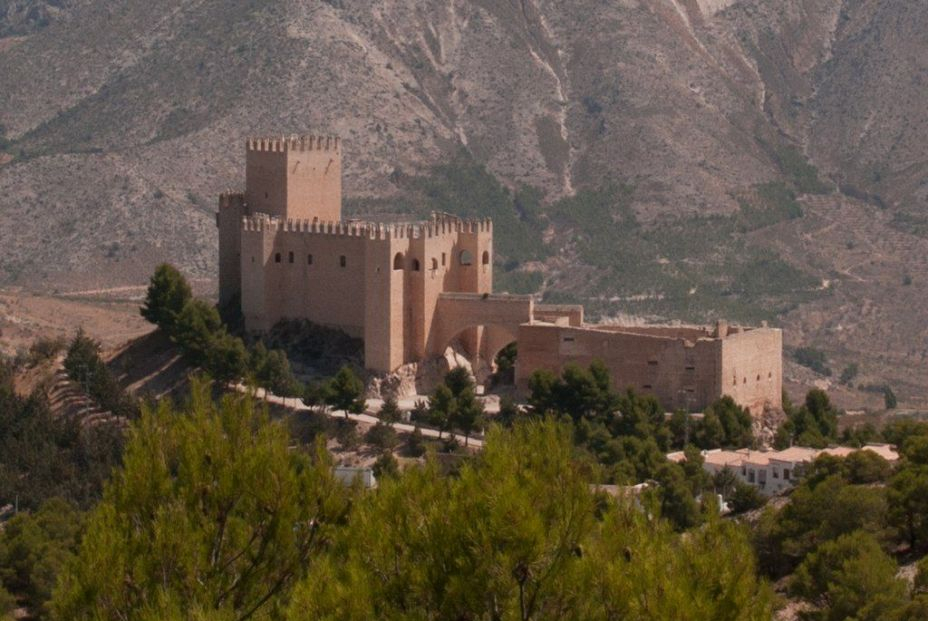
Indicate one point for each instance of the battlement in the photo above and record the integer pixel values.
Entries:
(436, 227)
(293, 143)
(229, 198)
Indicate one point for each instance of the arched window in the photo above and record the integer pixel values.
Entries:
(466, 258)
(309, 259)
(290, 257)
(277, 258)
(444, 261)
(434, 263)
(342, 261)
(398, 261)
(415, 265)
(486, 257)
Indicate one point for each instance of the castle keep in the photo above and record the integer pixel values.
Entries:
(411, 289)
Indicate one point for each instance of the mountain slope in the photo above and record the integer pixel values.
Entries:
(683, 127)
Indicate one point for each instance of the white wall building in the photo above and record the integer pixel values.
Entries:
(774, 472)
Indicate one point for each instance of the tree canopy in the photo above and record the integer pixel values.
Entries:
(168, 293)
(211, 513)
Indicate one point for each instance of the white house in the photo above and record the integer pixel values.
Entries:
(774, 472)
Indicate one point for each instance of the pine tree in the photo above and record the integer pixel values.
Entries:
(168, 293)
(211, 512)
(345, 392)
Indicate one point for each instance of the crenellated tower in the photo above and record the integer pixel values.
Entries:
(298, 177)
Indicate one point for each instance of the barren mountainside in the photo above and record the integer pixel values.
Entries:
(677, 159)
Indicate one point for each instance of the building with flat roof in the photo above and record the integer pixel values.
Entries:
(774, 472)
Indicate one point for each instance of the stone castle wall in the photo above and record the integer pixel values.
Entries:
(685, 368)
(409, 290)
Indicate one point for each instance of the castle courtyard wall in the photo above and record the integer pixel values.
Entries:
(681, 371)
(411, 289)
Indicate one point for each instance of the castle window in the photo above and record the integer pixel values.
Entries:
(398, 261)
(690, 368)
(444, 258)
(434, 264)
(647, 386)
(252, 259)
(466, 258)
(342, 261)
(758, 377)
(277, 258)
(309, 259)
(486, 258)
(290, 257)
(652, 363)
(415, 265)
(265, 195)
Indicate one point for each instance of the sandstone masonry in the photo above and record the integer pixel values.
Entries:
(410, 289)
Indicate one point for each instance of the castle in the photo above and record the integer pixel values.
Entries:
(411, 289)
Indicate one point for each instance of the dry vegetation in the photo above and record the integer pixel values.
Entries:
(715, 120)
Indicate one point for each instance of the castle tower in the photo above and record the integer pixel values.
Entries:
(295, 177)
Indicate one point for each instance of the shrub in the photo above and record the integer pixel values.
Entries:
(386, 466)
(45, 348)
(415, 447)
(382, 436)
(813, 359)
(746, 497)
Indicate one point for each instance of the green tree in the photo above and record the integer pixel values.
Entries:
(518, 534)
(463, 547)
(196, 329)
(816, 514)
(34, 549)
(468, 414)
(346, 392)
(316, 395)
(227, 359)
(390, 411)
(735, 422)
(211, 511)
(640, 569)
(676, 496)
(458, 380)
(382, 436)
(441, 408)
(43, 455)
(416, 445)
(745, 497)
(864, 467)
(907, 495)
(889, 398)
(168, 294)
(386, 466)
(272, 371)
(851, 577)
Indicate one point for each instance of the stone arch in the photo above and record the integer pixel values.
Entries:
(482, 343)
(484, 323)
(398, 261)
(466, 258)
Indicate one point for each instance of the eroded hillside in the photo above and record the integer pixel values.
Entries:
(705, 140)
